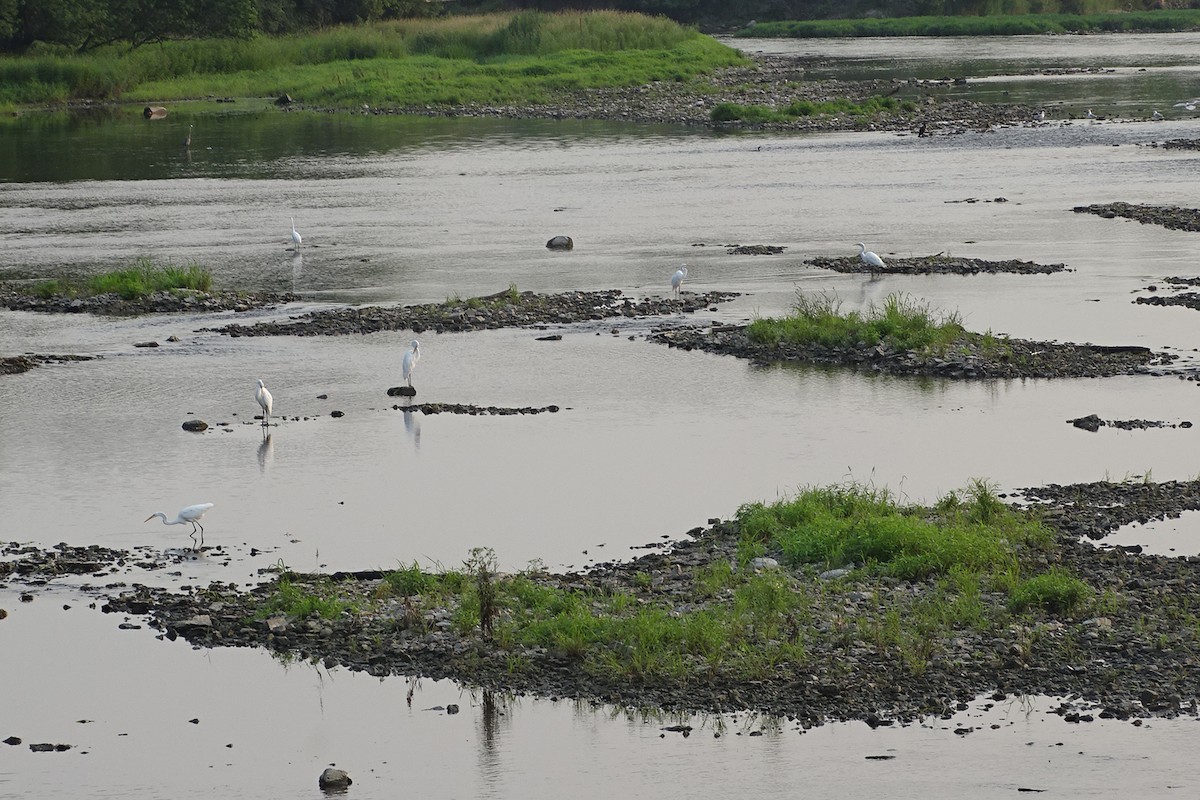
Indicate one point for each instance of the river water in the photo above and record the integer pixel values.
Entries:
(650, 442)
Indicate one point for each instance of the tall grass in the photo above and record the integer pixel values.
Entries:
(992, 25)
(385, 55)
(144, 278)
(901, 322)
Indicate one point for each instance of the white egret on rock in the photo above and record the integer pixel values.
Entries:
(870, 259)
(192, 515)
(263, 396)
(410, 361)
(677, 279)
(295, 234)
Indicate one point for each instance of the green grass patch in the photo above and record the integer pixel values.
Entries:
(301, 600)
(1056, 591)
(482, 59)
(136, 282)
(984, 25)
(901, 322)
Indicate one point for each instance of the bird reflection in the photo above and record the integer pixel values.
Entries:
(266, 453)
(297, 269)
(412, 426)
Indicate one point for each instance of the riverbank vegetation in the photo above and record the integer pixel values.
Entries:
(133, 283)
(907, 580)
(901, 324)
(499, 58)
(989, 25)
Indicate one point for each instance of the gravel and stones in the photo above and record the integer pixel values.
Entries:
(935, 265)
(15, 365)
(1173, 217)
(1093, 423)
(502, 310)
(14, 299)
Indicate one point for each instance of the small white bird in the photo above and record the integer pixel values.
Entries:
(191, 514)
(1156, 115)
(1090, 115)
(410, 362)
(295, 234)
(187, 142)
(263, 396)
(1039, 116)
(870, 259)
(677, 279)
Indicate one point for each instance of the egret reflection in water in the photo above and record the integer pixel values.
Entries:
(297, 270)
(412, 426)
(266, 453)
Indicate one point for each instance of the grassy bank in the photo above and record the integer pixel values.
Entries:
(141, 280)
(500, 58)
(997, 25)
(901, 324)
(917, 577)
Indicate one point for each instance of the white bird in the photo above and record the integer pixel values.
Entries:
(295, 234)
(1156, 115)
(870, 259)
(263, 396)
(188, 141)
(1039, 116)
(1090, 115)
(677, 279)
(191, 514)
(410, 362)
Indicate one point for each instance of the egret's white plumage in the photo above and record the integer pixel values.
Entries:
(1156, 115)
(1090, 115)
(191, 514)
(263, 396)
(410, 361)
(295, 234)
(187, 142)
(870, 259)
(677, 279)
(1039, 116)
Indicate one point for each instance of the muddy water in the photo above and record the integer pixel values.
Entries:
(650, 442)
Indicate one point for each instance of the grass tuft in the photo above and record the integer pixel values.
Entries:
(134, 283)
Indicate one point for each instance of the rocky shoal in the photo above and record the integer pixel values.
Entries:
(1004, 358)
(1133, 659)
(934, 265)
(502, 310)
(15, 299)
(14, 365)
(1173, 217)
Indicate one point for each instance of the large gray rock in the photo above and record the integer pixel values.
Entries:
(334, 779)
(561, 243)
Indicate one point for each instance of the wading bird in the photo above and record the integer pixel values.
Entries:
(1039, 116)
(191, 514)
(295, 234)
(677, 280)
(187, 142)
(1156, 115)
(1090, 115)
(263, 396)
(870, 259)
(410, 362)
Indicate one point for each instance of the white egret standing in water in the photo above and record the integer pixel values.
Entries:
(1090, 115)
(295, 234)
(677, 280)
(191, 514)
(263, 396)
(870, 259)
(1156, 115)
(187, 142)
(410, 362)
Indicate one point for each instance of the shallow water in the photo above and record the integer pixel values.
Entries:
(650, 442)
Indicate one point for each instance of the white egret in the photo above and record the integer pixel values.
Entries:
(410, 362)
(263, 396)
(187, 142)
(870, 259)
(1039, 116)
(1090, 115)
(1156, 115)
(295, 234)
(191, 514)
(677, 279)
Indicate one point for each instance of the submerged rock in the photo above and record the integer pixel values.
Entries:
(561, 243)
(195, 425)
